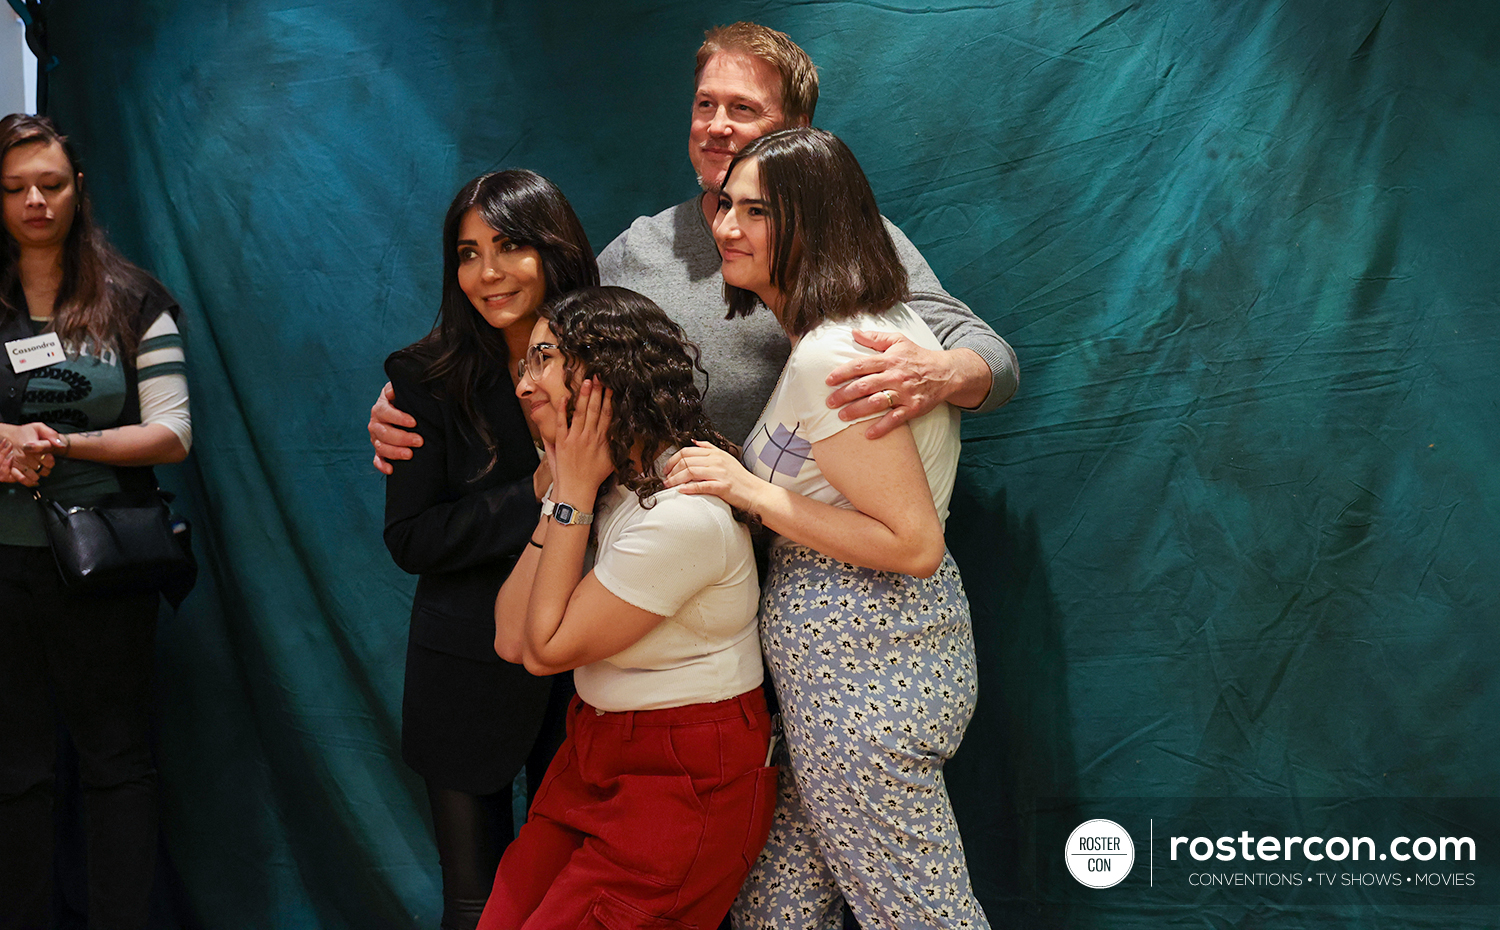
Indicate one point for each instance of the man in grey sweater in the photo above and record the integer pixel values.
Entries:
(751, 81)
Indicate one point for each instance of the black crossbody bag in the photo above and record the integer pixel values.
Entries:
(128, 543)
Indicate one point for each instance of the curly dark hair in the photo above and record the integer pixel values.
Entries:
(630, 346)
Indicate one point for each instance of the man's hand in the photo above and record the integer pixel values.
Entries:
(905, 381)
(390, 431)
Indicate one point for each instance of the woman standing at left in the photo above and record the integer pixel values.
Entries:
(459, 513)
(88, 425)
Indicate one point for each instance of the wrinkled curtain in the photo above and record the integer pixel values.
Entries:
(1235, 536)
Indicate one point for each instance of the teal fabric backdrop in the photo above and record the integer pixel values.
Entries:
(1234, 538)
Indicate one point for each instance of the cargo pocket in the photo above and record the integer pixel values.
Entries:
(610, 913)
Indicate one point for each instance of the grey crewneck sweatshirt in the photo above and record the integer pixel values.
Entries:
(671, 258)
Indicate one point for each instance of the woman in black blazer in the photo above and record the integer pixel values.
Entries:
(460, 510)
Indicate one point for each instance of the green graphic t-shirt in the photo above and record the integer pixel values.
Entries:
(84, 392)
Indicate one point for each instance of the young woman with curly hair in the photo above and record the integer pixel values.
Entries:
(660, 799)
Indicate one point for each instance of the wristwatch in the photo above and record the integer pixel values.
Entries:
(565, 514)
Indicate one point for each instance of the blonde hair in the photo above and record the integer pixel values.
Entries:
(799, 77)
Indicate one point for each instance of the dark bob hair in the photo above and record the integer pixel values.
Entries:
(630, 346)
(93, 301)
(831, 256)
(463, 350)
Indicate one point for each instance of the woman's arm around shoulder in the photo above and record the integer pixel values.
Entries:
(894, 526)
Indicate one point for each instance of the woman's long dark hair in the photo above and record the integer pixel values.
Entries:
(831, 256)
(93, 299)
(463, 350)
(628, 343)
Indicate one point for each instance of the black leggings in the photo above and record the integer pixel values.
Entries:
(474, 829)
(87, 661)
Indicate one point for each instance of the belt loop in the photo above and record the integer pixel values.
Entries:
(629, 724)
(749, 713)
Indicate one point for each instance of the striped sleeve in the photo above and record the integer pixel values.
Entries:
(161, 373)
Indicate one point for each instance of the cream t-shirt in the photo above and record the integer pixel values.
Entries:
(687, 559)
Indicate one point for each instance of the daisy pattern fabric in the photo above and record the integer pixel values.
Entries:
(877, 680)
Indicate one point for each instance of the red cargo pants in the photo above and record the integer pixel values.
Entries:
(645, 819)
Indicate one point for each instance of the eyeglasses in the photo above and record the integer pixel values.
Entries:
(534, 362)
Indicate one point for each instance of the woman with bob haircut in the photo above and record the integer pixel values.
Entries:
(457, 514)
(659, 800)
(864, 620)
(83, 428)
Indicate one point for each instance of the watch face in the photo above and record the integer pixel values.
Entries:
(563, 513)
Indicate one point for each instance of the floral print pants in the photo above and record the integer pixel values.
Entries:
(877, 681)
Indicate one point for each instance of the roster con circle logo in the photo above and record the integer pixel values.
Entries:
(1099, 853)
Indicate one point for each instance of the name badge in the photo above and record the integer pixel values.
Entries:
(36, 352)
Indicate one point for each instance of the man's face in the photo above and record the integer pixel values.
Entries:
(738, 100)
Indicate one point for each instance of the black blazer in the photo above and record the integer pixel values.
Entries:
(468, 718)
